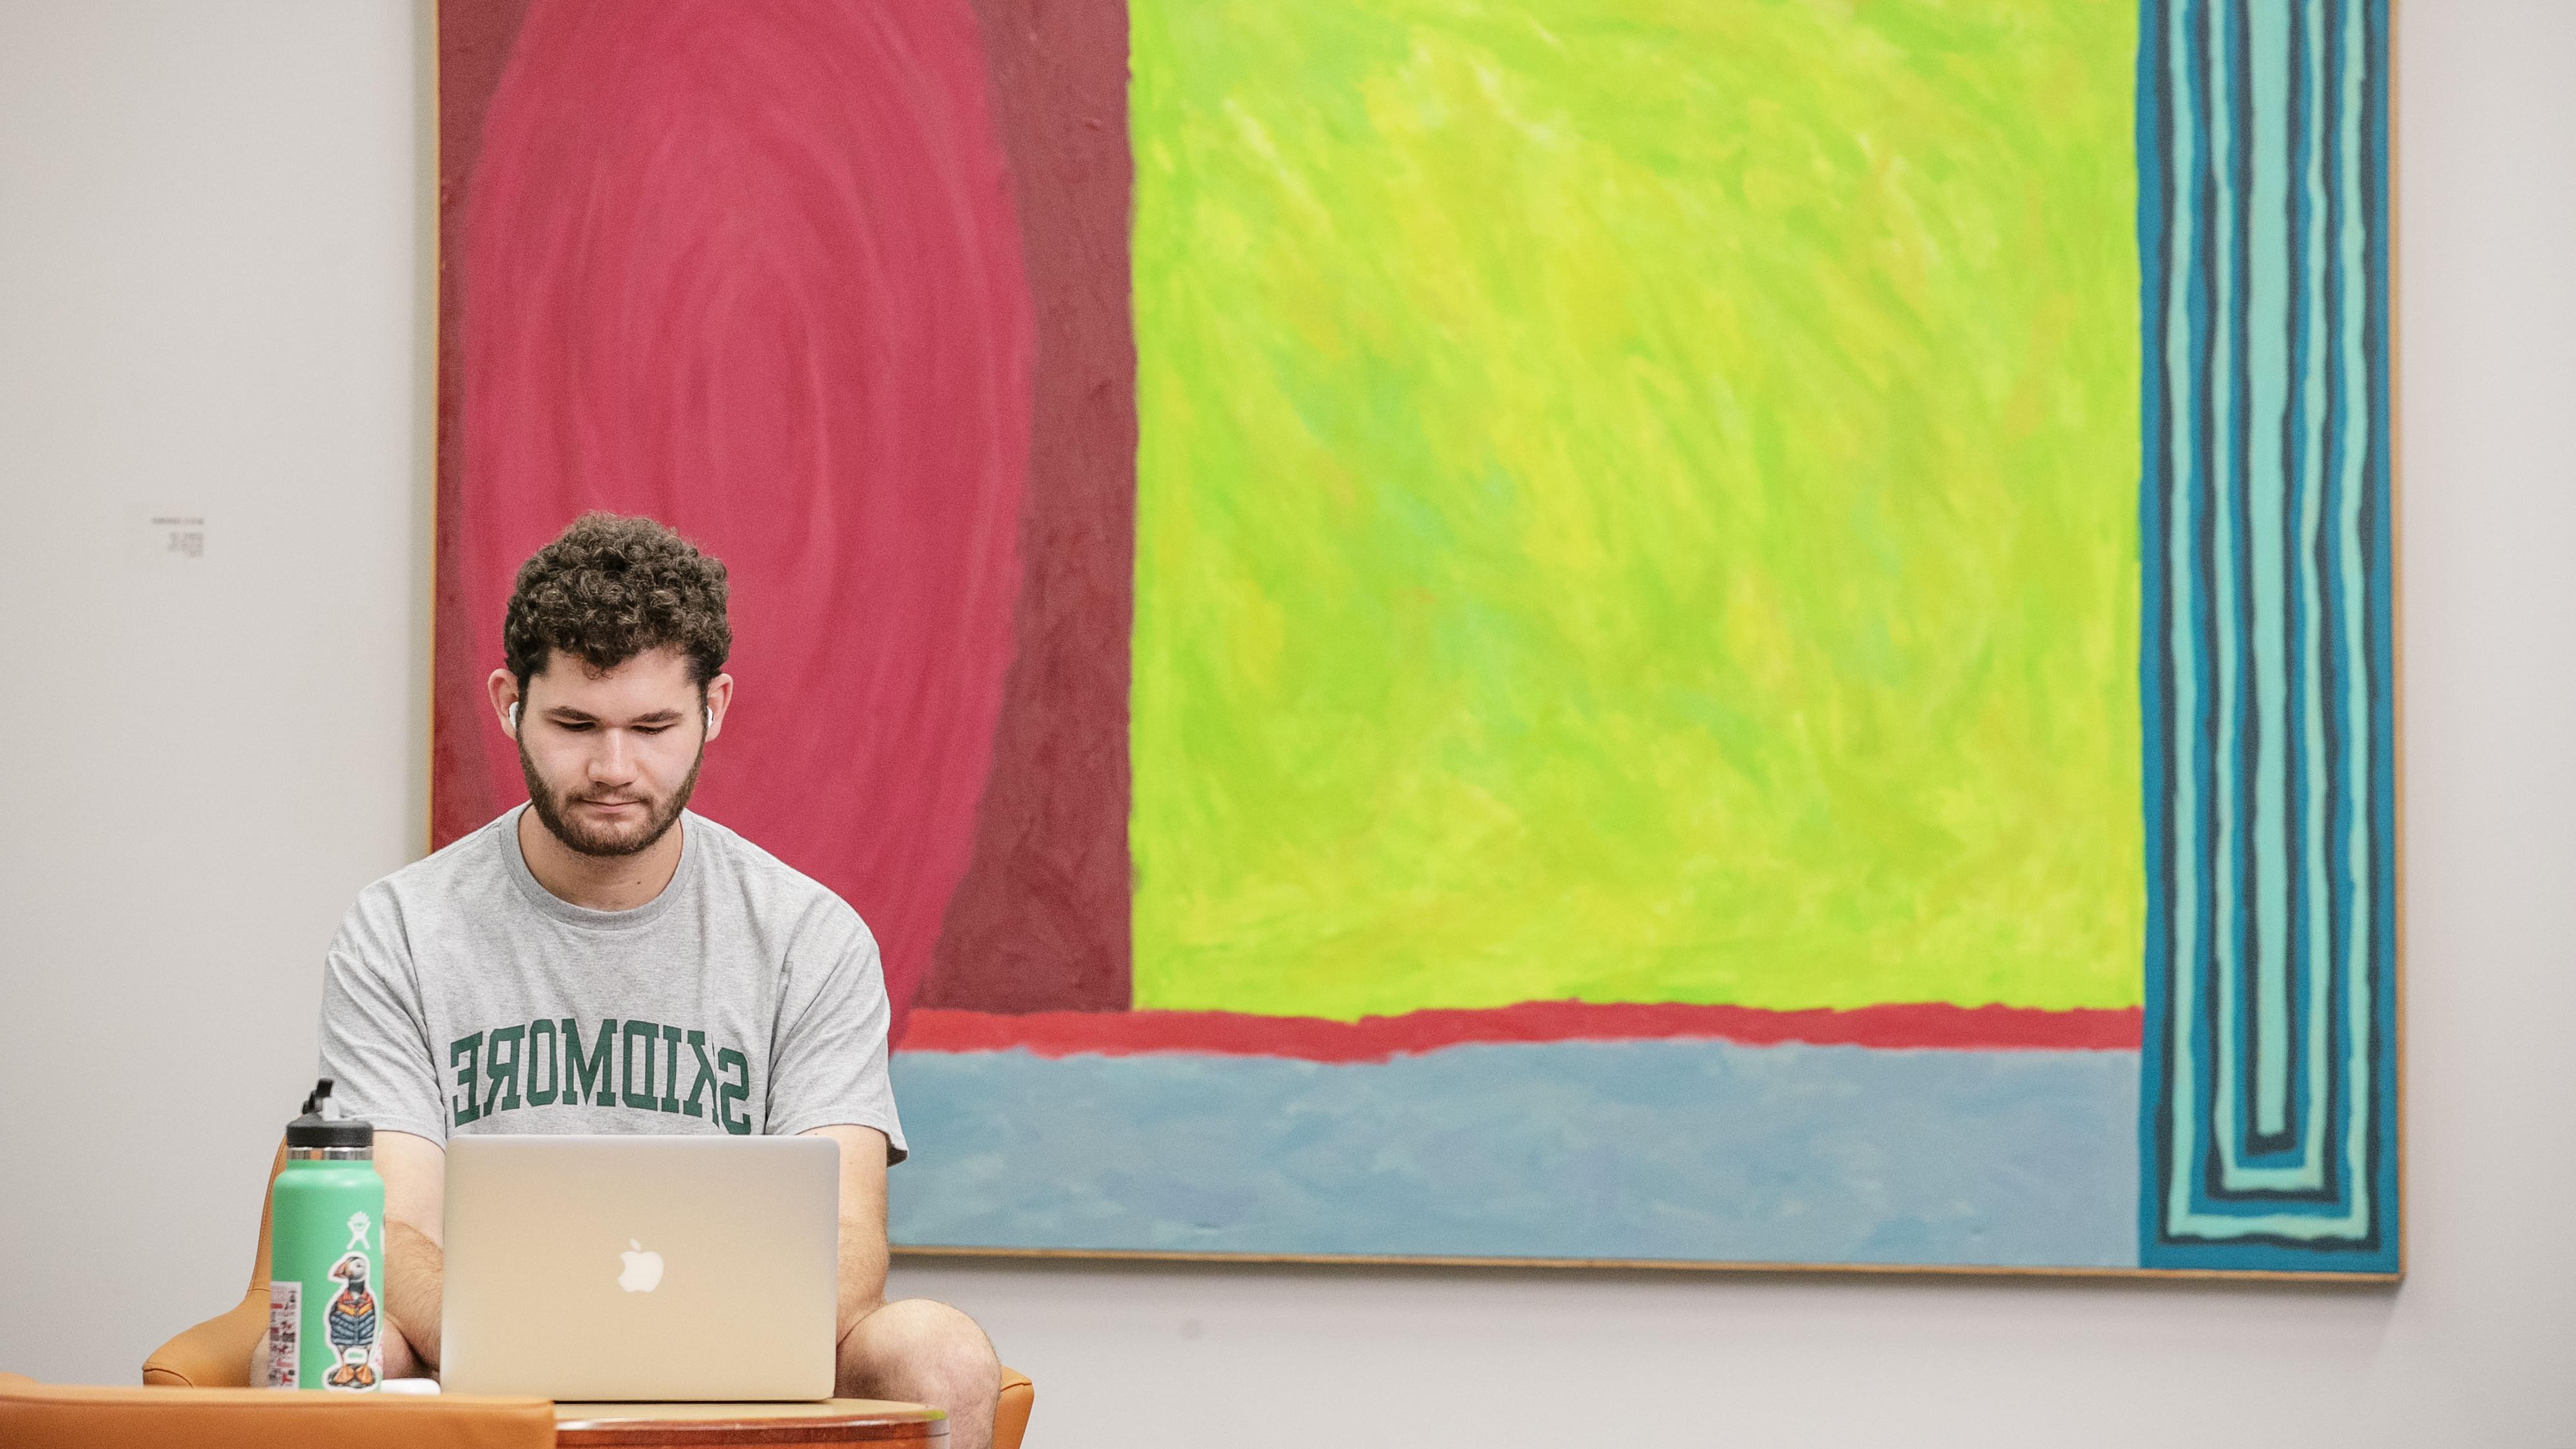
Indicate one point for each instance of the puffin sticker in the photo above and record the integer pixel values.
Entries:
(351, 1325)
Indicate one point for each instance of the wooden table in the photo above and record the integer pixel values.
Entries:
(780, 1426)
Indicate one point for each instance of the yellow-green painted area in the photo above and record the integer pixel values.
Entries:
(1637, 501)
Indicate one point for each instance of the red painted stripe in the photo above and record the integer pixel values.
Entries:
(1933, 1025)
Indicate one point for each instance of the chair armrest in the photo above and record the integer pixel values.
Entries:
(45, 1416)
(216, 1353)
(1011, 1412)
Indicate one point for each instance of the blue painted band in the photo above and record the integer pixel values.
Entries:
(1679, 1151)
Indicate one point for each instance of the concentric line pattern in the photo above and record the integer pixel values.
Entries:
(2268, 1109)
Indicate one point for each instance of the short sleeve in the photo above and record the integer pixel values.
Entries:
(375, 1043)
(828, 1058)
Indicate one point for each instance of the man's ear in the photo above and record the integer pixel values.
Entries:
(719, 699)
(503, 686)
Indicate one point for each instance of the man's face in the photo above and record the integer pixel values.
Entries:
(610, 758)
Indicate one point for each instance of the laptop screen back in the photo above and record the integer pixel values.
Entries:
(641, 1268)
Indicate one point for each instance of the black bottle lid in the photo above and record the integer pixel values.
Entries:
(316, 1130)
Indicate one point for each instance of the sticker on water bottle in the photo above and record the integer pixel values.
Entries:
(351, 1321)
(285, 1332)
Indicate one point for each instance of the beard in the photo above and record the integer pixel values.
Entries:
(658, 817)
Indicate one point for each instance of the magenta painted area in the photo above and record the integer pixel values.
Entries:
(753, 269)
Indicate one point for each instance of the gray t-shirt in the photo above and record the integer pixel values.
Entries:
(462, 996)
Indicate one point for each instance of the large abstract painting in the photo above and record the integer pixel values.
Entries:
(1593, 630)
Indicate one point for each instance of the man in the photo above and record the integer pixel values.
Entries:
(500, 984)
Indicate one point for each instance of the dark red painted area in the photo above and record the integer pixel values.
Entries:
(474, 40)
(1040, 922)
(751, 268)
(1377, 1038)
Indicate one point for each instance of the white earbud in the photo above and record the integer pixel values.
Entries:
(514, 716)
(711, 719)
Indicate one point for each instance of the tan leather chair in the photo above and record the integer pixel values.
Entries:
(216, 1354)
(42, 1416)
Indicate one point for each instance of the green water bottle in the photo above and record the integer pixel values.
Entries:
(327, 1254)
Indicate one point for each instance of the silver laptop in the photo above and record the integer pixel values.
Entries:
(657, 1268)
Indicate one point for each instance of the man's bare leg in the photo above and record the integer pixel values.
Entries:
(400, 1361)
(923, 1352)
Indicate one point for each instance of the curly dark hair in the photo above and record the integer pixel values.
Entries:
(612, 587)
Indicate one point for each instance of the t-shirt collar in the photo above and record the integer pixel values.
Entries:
(548, 903)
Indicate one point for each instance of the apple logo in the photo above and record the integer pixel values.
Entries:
(643, 1271)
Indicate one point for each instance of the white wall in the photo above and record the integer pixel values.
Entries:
(209, 300)
(210, 295)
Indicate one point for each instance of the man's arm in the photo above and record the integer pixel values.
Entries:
(415, 1174)
(863, 1221)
